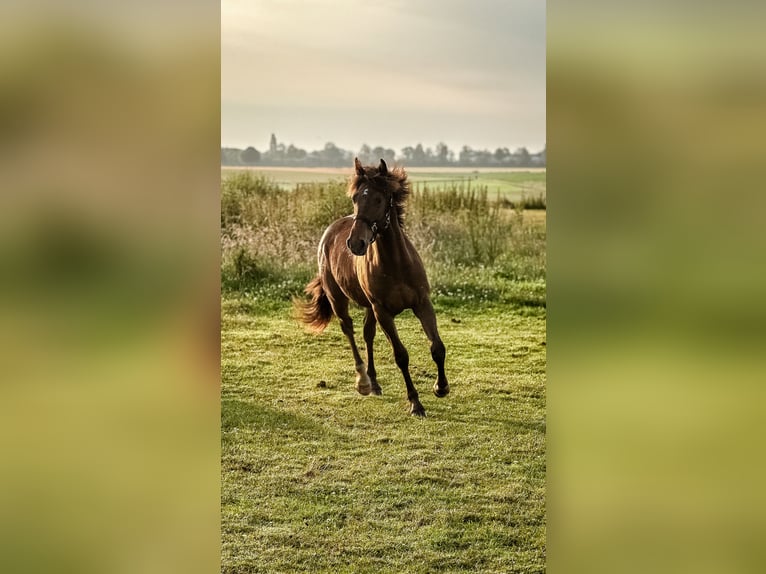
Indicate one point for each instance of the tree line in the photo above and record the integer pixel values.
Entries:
(332, 156)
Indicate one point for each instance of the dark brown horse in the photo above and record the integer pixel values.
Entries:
(367, 258)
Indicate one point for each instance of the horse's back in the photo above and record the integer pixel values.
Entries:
(333, 240)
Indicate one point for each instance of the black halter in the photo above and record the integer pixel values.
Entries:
(373, 225)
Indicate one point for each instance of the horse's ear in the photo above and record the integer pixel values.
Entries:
(383, 168)
(358, 166)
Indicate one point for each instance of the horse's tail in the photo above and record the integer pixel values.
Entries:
(317, 312)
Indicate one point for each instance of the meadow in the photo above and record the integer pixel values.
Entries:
(509, 183)
(316, 478)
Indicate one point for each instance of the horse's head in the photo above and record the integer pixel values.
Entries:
(373, 203)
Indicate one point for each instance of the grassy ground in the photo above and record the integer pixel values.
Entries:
(509, 184)
(317, 478)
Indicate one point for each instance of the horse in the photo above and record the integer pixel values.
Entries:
(367, 258)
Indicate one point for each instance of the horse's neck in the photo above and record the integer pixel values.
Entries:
(391, 246)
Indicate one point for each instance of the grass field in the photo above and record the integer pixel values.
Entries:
(317, 478)
(510, 184)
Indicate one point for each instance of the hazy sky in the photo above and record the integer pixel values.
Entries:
(388, 72)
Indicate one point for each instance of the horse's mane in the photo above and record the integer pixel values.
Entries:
(394, 182)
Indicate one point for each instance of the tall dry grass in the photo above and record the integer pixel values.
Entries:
(475, 247)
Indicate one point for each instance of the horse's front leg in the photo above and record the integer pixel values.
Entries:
(370, 325)
(427, 318)
(402, 358)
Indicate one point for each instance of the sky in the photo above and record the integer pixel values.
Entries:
(389, 72)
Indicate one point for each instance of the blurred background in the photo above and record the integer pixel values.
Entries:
(656, 325)
(109, 123)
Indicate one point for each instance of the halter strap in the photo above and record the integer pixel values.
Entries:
(373, 225)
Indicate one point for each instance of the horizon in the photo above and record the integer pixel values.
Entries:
(372, 146)
(390, 74)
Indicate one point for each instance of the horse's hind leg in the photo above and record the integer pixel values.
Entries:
(428, 320)
(370, 325)
(340, 308)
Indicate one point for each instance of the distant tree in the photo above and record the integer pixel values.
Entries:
(502, 155)
(231, 156)
(418, 156)
(295, 153)
(442, 153)
(332, 155)
(365, 154)
(389, 155)
(377, 154)
(250, 155)
(466, 155)
(483, 157)
(522, 156)
(542, 155)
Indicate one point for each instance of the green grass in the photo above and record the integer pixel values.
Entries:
(510, 185)
(317, 478)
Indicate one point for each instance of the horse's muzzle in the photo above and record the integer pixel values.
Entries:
(358, 247)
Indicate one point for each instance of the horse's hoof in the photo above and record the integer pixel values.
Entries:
(441, 391)
(362, 390)
(376, 390)
(418, 411)
(363, 385)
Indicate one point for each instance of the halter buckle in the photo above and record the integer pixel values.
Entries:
(373, 225)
